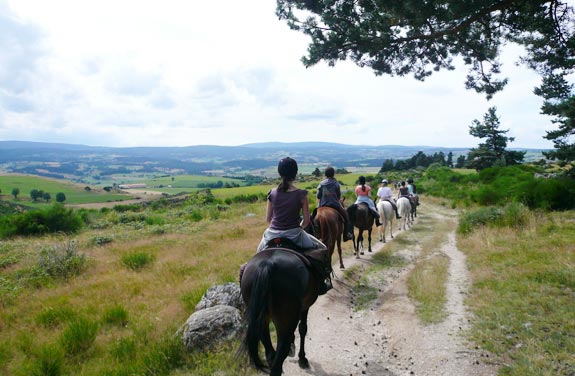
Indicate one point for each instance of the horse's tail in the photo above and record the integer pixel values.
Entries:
(256, 312)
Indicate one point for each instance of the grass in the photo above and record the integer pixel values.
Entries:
(111, 319)
(137, 312)
(426, 286)
(522, 296)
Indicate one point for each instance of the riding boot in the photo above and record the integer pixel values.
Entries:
(397, 214)
(377, 222)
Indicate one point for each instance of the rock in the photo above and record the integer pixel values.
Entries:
(227, 294)
(209, 326)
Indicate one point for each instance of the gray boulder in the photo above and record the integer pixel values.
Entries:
(206, 327)
(227, 294)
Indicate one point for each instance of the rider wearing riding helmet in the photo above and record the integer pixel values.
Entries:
(329, 194)
(285, 204)
(363, 191)
(385, 194)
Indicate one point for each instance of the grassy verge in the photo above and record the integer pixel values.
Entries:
(144, 272)
(523, 293)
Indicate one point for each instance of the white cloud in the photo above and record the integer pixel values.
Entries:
(176, 73)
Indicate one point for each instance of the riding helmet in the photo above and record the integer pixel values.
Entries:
(384, 181)
(287, 167)
(410, 180)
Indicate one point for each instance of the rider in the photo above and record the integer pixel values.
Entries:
(403, 190)
(412, 191)
(284, 206)
(411, 186)
(329, 194)
(363, 192)
(384, 193)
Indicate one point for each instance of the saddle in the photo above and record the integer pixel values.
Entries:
(317, 260)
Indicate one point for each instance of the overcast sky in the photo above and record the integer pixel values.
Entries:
(180, 73)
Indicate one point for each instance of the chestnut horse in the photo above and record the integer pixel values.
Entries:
(328, 227)
(277, 286)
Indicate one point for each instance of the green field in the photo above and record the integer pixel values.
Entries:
(75, 193)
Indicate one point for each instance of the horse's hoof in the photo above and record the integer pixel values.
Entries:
(303, 363)
(362, 253)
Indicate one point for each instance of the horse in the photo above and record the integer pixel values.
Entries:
(328, 227)
(277, 286)
(415, 203)
(404, 209)
(386, 214)
(360, 216)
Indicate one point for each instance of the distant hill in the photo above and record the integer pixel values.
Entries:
(77, 162)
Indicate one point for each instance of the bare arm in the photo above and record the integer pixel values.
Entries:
(269, 211)
(305, 209)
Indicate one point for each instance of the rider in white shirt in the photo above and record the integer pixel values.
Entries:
(385, 193)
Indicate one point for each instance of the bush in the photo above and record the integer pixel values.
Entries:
(56, 218)
(137, 260)
(116, 315)
(79, 336)
(62, 262)
(49, 361)
(516, 215)
(481, 217)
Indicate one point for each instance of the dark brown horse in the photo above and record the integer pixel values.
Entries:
(361, 217)
(328, 227)
(278, 286)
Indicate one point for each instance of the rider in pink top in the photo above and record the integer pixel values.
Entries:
(363, 191)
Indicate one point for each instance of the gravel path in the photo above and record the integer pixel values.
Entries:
(388, 339)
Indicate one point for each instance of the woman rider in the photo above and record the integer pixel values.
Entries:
(285, 204)
(363, 192)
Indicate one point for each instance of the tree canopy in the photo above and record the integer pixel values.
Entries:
(491, 152)
(420, 37)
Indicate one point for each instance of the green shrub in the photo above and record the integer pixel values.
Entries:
(49, 361)
(51, 317)
(124, 348)
(516, 215)
(116, 315)
(155, 220)
(62, 262)
(137, 260)
(7, 260)
(56, 218)
(126, 208)
(79, 336)
(195, 216)
(162, 357)
(480, 217)
(101, 240)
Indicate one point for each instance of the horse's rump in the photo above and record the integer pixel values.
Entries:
(277, 286)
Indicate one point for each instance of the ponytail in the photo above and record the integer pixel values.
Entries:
(284, 185)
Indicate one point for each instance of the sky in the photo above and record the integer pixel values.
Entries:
(182, 73)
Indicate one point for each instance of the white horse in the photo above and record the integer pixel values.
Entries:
(404, 209)
(386, 214)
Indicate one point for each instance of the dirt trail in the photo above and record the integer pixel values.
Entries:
(388, 338)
